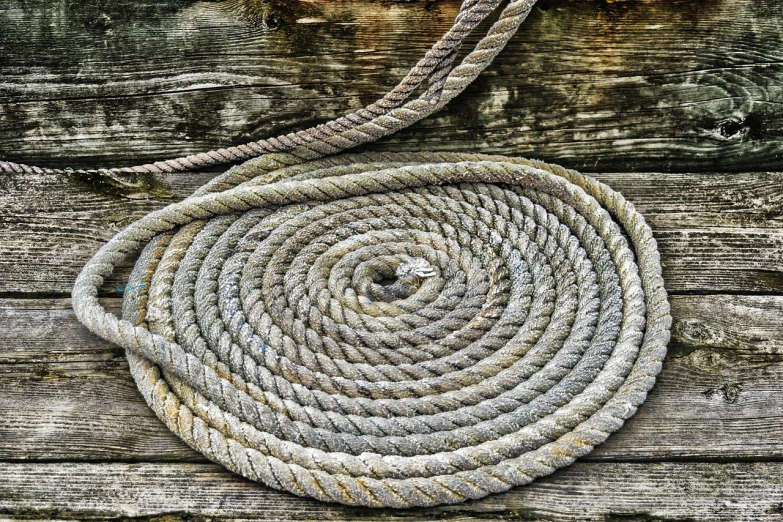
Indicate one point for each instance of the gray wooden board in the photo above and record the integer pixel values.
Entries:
(676, 85)
(716, 232)
(584, 492)
(68, 396)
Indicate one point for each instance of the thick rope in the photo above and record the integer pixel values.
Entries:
(385, 116)
(388, 329)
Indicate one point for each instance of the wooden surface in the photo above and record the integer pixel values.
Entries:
(628, 85)
(677, 104)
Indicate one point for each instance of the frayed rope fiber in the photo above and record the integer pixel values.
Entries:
(392, 330)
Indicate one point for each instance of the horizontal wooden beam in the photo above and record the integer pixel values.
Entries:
(586, 491)
(67, 395)
(716, 232)
(595, 85)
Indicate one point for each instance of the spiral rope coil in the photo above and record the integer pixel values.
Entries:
(390, 329)
(394, 330)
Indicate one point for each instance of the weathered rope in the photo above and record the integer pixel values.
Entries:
(384, 117)
(389, 329)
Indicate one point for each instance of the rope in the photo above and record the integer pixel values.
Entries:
(388, 329)
(385, 116)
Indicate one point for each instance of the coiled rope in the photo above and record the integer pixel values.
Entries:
(389, 329)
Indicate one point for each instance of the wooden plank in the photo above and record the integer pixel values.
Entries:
(70, 386)
(112, 83)
(717, 232)
(68, 396)
(620, 492)
(51, 225)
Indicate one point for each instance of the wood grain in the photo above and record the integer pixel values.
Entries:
(69, 396)
(640, 85)
(716, 232)
(584, 492)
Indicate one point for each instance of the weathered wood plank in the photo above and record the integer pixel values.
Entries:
(600, 492)
(69, 396)
(717, 232)
(108, 83)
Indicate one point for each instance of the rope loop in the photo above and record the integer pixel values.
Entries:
(386, 116)
(390, 329)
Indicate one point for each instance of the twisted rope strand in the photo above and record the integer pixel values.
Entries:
(373, 122)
